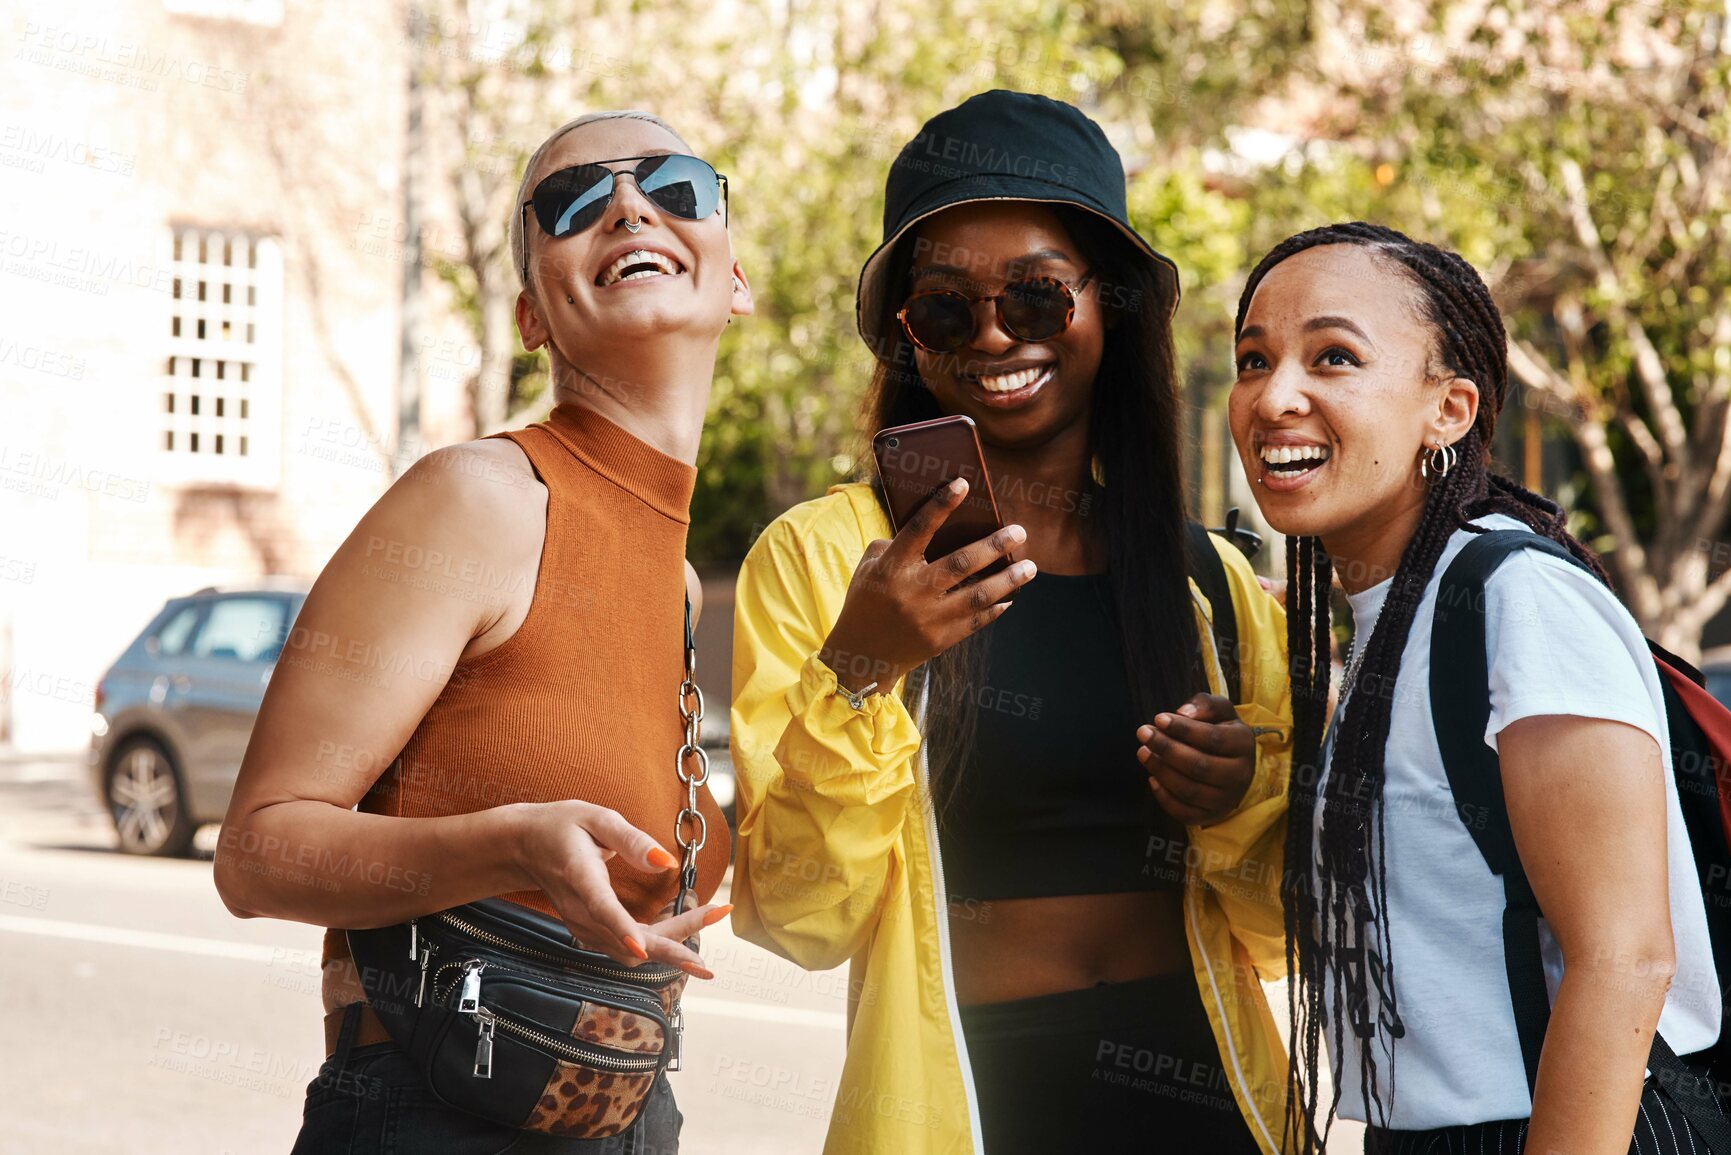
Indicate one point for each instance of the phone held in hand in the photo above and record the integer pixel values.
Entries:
(915, 461)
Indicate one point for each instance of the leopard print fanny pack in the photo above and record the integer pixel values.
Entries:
(508, 1020)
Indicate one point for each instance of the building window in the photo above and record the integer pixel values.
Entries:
(219, 417)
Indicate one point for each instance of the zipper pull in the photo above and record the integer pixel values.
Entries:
(426, 960)
(470, 1003)
(676, 1021)
(414, 942)
(484, 1045)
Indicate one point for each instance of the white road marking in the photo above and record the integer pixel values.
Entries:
(146, 939)
(695, 1004)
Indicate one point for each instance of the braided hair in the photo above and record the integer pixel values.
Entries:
(1333, 932)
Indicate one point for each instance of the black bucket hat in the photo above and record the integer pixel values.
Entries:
(999, 145)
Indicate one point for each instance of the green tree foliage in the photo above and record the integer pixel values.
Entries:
(1575, 152)
(1579, 154)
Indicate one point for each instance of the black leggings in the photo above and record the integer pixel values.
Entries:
(1113, 1067)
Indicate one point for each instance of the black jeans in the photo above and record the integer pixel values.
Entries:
(372, 1101)
(1113, 1067)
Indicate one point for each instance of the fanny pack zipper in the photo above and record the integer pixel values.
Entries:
(488, 1019)
(648, 1002)
(639, 976)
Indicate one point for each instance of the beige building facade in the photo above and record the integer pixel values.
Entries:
(204, 365)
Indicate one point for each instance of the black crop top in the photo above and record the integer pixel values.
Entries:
(1053, 800)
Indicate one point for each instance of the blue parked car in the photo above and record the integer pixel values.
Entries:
(174, 713)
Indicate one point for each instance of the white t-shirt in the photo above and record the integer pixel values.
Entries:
(1559, 643)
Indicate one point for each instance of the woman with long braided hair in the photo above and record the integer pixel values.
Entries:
(1370, 372)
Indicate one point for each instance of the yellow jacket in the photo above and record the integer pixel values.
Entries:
(838, 858)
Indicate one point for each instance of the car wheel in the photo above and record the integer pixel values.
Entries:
(146, 802)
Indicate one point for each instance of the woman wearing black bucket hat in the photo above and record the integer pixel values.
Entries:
(1049, 845)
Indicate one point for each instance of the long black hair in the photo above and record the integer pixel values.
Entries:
(1337, 941)
(1136, 511)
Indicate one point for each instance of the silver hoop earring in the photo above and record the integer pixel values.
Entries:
(1437, 462)
(634, 227)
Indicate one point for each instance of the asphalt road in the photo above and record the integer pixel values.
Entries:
(140, 1016)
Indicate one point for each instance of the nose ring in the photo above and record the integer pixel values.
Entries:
(634, 227)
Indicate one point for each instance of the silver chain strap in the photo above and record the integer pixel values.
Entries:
(691, 710)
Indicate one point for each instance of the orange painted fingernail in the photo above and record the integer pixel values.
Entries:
(635, 947)
(717, 915)
(696, 971)
(658, 856)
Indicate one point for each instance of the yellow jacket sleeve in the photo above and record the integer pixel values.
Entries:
(823, 788)
(1241, 857)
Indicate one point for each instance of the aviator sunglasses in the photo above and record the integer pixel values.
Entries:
(1033, 309)
(572, 199)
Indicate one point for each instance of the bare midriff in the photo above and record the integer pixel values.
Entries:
(1021, 948)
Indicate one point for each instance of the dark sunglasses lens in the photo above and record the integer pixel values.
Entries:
(1036, 310)
(572, 199)
(683, 185)
(941, 321)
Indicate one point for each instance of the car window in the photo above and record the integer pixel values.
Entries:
(171, 639)
(1719, 684)
(244, 629)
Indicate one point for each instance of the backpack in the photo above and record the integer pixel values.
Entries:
(1700, 737)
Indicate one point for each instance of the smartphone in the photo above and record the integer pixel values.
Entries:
(915, 461)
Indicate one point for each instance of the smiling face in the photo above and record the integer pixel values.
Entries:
(1019, 393)
(603, 285)
(1337, 393)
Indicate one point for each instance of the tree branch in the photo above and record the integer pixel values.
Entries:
(1630, 558)
(1649, 367)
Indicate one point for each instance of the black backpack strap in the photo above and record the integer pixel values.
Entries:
(1460, 701)
(1461, 706)
(1210, 573)
(1694, 1094)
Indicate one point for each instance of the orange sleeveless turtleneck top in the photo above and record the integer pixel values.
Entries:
(582, 701)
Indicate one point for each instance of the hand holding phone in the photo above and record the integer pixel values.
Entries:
(911, 599)
(915, 461)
